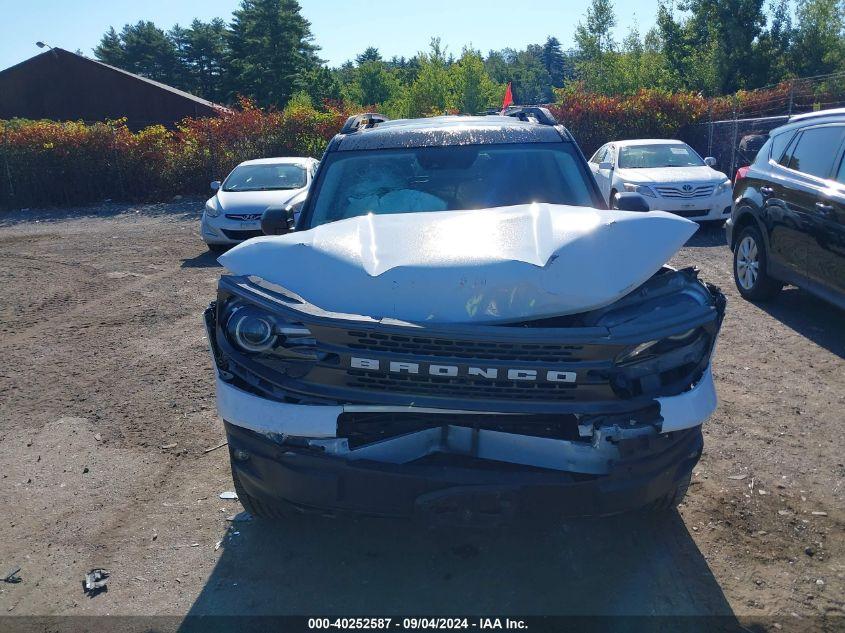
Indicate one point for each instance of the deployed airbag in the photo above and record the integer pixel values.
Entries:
(486, 265)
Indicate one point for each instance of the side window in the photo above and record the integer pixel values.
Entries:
(599, 155)
(779, 143)
(816, 149)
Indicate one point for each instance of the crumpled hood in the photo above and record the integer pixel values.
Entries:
(702, 174)
(486, 265)
(253, 201)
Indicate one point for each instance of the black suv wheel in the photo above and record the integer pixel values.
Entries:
(750, 261)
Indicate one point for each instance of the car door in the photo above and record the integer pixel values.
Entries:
(603, 177)
(798, 206)
(832, 208)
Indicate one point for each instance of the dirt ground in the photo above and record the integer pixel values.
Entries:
(107, 408)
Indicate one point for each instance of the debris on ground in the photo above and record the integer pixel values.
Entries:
(819, 514)
(95, 582)
(228, 495)
(12, 575)
(166, 447)
(217, 545)
(739, 477)
(214, 448)
(240, 517)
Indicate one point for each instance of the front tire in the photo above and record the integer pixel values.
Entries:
(217, 248)
(750, 267)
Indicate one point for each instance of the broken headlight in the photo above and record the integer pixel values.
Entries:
(650, 349)
(254, 330)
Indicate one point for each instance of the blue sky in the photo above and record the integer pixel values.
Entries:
(342, 28)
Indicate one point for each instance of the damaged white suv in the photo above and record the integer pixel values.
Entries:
(460, 330)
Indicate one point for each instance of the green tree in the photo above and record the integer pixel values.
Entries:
(819, 37)
(144, 49)
(376, 84)
(474, 91)
(203, 49)
(712, 45)
(270, 50)
(431, 91)
(772, 59)
(322, 85)
(554, 61)
(370, 54)
(595, 46)
(110, 49)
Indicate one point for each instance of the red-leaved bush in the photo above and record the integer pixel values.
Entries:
(44, 163)
(50, 163)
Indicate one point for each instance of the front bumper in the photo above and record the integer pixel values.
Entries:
(458, 491)
(716, 207)
(454, 474)
(223, 231)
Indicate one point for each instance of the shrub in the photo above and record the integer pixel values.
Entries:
(49, 163)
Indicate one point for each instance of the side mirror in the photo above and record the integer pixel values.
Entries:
(277, 220)
(215, 185)
(605, 166)
(629, 201)
(710, 161)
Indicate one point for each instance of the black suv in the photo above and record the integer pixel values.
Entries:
(788, 219)
(459, 329)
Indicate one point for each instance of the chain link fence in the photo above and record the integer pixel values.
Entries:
(734, 140)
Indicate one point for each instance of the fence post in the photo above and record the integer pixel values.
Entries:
(710, 127)
(211, 152)
(791, 95)
(733, 144)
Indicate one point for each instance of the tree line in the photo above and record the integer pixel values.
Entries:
(267, 53)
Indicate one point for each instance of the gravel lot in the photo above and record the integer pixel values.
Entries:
(107, 407)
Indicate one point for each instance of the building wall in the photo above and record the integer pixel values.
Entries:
(64, 86)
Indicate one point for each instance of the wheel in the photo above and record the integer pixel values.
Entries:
(613, 193)
(267, 510)
(672, 499)
(217, 248)
(750, 261)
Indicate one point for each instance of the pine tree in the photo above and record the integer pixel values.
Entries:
(271, 50)
(110, 49)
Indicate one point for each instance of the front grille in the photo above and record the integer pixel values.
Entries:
(241, 235)
(701, 191)
(477, 350)
(244, 217)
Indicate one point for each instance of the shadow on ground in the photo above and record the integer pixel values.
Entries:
(709, 234)
(811, 317)
(624, 565)
(206, 259)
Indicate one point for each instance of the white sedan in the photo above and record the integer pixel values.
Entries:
(233, 213)
(670, 175)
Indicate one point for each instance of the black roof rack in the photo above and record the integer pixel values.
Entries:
(359, 121)
(536, 114)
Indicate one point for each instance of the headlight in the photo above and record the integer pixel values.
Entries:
(211, 210)
(643, 190)
(257, 331)
(724, 186)
(650, 349)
